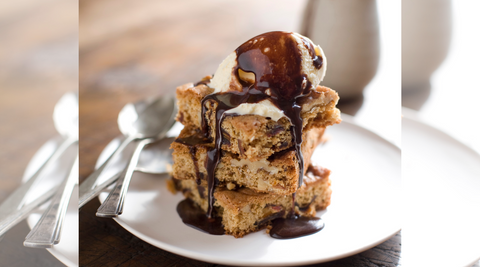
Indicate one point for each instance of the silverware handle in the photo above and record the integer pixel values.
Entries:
(97, 190)
(46, 232)
(17, 198)
(113, 204)
(17, 216)
(85, 188)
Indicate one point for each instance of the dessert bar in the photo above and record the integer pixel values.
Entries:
(244, 211)
(278, 173)
(254, 136)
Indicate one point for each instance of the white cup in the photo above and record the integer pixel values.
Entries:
(426, 34)
(347, 31)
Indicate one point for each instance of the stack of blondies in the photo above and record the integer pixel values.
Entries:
(257, 178)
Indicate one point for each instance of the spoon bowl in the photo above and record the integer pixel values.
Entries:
(149, 119)
(146, 119)
(156, 158)
(65, 115)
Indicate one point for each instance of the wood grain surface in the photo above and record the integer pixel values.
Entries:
(130, 50)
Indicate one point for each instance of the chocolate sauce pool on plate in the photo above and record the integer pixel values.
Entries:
(194, 217)
(296, 226)
(275, 60)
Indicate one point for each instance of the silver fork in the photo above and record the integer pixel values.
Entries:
(113, 204)
(46, 232)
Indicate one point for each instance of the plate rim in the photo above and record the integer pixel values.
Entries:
(202, 257)
(414, 116)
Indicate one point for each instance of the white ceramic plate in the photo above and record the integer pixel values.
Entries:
(441, 184)
(67, 250)
(365, 209)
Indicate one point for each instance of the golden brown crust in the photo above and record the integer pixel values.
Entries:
(189, 100)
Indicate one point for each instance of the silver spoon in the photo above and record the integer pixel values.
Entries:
(154, 159)
(13, 209)
(113, 204)
(46, 232)
(143, 120)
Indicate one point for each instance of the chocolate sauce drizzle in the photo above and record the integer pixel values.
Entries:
(306, 207)
(205, 81)
(275, 60)
(192, 142)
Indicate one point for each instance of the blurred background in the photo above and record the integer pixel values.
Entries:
(441, 177)
(440, 71)
(38, 64)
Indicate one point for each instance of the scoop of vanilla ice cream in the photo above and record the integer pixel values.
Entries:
(314, 75)
(224, 74)
(263, 108)
(224, 78)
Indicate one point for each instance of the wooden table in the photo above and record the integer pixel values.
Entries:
(38, 65)
(131, 50)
